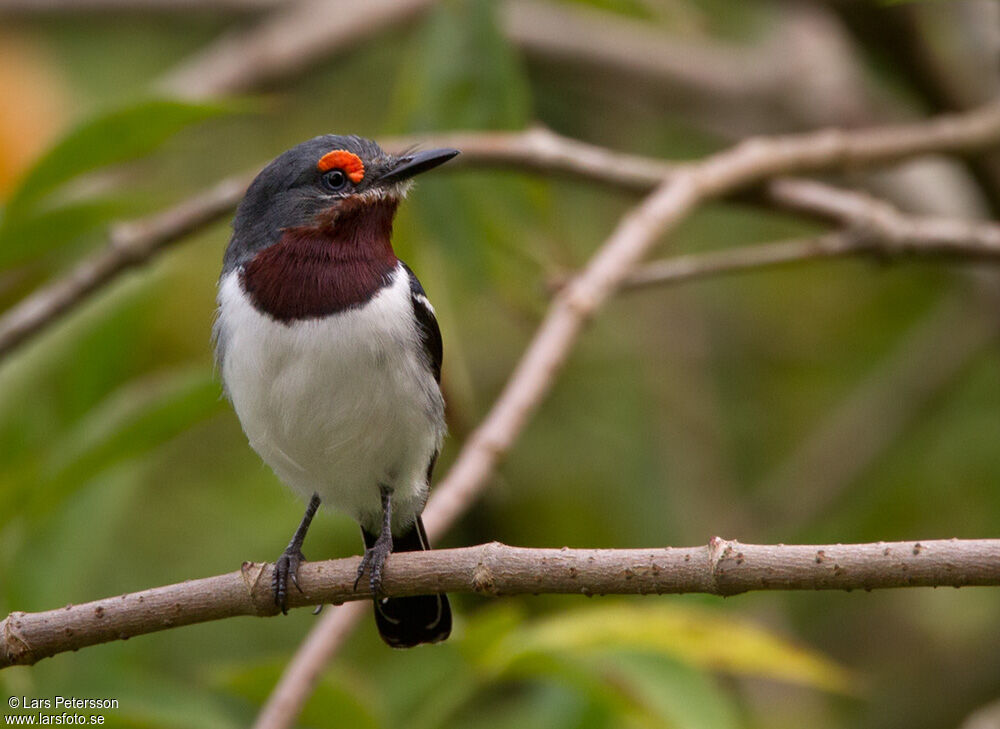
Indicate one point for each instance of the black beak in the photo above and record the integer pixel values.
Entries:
(414, 164)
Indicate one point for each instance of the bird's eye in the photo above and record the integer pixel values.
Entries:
(335, 180)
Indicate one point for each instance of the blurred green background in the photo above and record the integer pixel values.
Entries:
(682, 414)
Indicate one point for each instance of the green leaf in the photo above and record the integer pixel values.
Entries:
(676, 693)
(114, 137)
(152, 700)
(487, 628)
(28, 237)
(137, 417)
(129, 423)
(599, 687)
(700, 638)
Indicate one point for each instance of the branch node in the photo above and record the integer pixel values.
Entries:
(724, 554)
(13, 644)
(483, 579)
(540, 138)
(251, 573)
(581, 301)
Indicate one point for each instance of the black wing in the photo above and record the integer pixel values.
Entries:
(430, 333)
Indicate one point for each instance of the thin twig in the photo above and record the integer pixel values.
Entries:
(296, 36)
(131, 244)
(286, 42)
(555, 32)
(943, 80)
(720, 568)
(978, 242)
(303, 671)
(535, 150)
(936, 350)
(31, 7)
(930, 355)
(859, 209)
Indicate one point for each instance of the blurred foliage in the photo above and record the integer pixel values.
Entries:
(35, 221)
(26, 127)
(124, 467)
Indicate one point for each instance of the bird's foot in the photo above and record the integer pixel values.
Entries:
(374, 560)
(285, 569)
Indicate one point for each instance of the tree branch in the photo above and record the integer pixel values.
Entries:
(838, 244)
(536, 150)
(688, 186)
(136, 242)
(872, 227)
(859, 209)
(720, 568)
(131, 244)
(289, 40)
(636, 50)
(944, 80)
(276, 65)
(35, 7)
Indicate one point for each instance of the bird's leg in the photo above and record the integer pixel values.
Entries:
(379, 552)
(287, 566)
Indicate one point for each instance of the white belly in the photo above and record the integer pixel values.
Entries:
(337, 406)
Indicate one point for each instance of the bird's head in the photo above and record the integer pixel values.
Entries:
(344, 189)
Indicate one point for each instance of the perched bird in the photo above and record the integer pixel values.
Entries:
(331, 355)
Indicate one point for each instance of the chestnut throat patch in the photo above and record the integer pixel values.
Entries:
(338, 264)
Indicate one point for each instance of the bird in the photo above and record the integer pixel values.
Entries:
(330, 353)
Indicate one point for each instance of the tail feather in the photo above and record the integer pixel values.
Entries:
(404, 622)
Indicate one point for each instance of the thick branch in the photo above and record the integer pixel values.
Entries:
(538, 367)
(720, 568)
(687, 187)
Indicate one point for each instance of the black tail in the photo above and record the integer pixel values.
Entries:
(404, 622)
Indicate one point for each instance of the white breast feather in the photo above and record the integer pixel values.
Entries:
(337, 405)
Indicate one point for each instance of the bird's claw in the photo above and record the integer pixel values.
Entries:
(285, 569)
(374, 560)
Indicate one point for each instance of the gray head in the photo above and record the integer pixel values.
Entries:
(305, 186)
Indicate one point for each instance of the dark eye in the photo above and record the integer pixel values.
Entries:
(335, 180)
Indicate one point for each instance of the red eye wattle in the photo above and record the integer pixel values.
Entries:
(348, 162)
